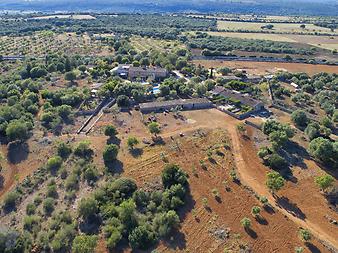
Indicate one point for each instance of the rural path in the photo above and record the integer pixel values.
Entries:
(247, 176)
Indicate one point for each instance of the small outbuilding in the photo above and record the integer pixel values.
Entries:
(179, 104)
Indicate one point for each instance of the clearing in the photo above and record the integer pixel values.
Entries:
(262, 68)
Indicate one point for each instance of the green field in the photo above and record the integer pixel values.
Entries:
(277, 27)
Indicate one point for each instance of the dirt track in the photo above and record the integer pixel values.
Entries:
(252, 173)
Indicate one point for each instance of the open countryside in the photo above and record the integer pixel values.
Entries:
(168, 127)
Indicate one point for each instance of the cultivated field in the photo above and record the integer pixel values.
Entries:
(326, 42)
(261, 68)
(277, 27)
(142, 44)
(43, 43)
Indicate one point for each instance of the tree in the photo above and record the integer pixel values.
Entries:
(165, 222)
(246, 223)
(255, 211)
(123, 101)
(131, 142)
(277, 162)
(327, 122)
(302, 26)
(88, 208)
(274, 181)
(322, 149)
(110, 153)
(172, 175)
(110, 131)
(312, 130)
(142, 237)
(299, 118)
(70, 76)
(154, 128)
(305, 234)
(324, 182)
(64, 150)
(84, 244)
(17, 131)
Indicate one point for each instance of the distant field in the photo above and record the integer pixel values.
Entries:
(261, 68)
(326, 42)
(142, 44)
(66, 16)
(278, 27)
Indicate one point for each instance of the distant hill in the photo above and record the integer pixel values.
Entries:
(272, 7)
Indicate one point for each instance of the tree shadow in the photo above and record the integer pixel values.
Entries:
(176, 241)
(312, 247)
(261, 220)
(296, 154)
(269, 209)
(136, 152)
(251, 233)
(2, 181)
(17, 152)
(91, 226)
(115, 167)
(114, 140)
(291, 208)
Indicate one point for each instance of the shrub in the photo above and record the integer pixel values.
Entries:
(54, 163)
(30, 209)
(48, 205)
(83, 150)
(31, 223)
(246, 223)
(305, 234)
(110, 131)
(110, 153)
(64, 150)
(84, 244)
(11, 199)
(324, 182)
(255, 211)
(87, 208)
(277, 162)
(132, 141)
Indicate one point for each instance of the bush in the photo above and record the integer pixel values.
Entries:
(84, 244)
(132, 141)
(17, 130)
(110, 131)
(255, 211)
(31, 223)
(88, 208)
(54, 163)
(277, 162)
(83, 150)
(91, 174)
(164, 223)
(324, 182)
(64, 150)
(110, 153)
(11, 199)
(305, 234)
(48, 205)
(246, 223)
(30, 209)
